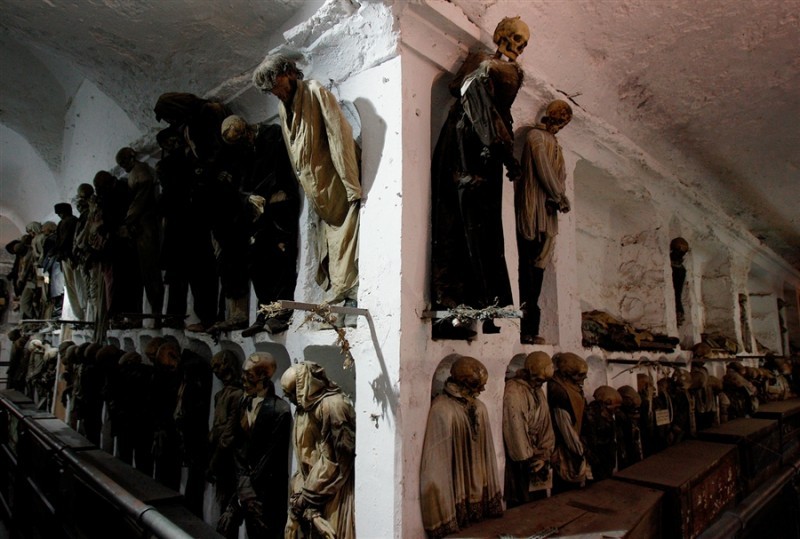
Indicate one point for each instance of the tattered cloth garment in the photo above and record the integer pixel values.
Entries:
(459, 483)
(567, 406)
(324, 444)
(528, 436)
(325, 159)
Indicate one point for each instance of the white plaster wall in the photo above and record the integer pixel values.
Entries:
(95, 129)
(28, 188)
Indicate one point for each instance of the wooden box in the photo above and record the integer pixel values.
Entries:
(608, 508)
(759, 444)
(699, 480)
(787, 413)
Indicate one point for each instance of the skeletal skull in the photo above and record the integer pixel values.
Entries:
(557, 115)
(257, 370)
(511, 37)
(572, 367)
(631, 400)
(609, 396)
(225, 366)
(470, 374)
(540, 368)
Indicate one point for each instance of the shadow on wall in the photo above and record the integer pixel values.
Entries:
(200, 348)
(282, 358)
(441, 374)
(330, 358)
(374, 127)
(517, 362)
(598, 375)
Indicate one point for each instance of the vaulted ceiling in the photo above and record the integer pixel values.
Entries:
(709, 88)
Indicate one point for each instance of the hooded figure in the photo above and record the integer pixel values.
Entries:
(459, 484)
(322, 489)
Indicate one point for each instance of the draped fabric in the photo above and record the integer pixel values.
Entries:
(324, 443)
(542, 186)
(325, 159)
(459, 483)
(567, 405)
(528, 437)
(467, 254)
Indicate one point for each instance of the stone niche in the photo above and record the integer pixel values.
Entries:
(719, 298)
(765, 325)
(622, 251)
(791, 320)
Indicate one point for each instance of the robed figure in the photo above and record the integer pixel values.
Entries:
(322, 491)
(528, 432)
(325, 159)
(477, 140)
(459, 483)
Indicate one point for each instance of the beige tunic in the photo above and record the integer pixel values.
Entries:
(324, 157)
(540, 190)
(458, 474)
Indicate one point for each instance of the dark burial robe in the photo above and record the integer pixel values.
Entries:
(187, 253)
(272, 260)
(468, 260)
(603, 441)
(261, 454)
(227, 402)
(191, 419)
(628, 426)
(131, 410)
(459, 483)
(142, 224)
(165, 433)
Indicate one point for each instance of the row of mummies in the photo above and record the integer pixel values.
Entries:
(228, 201)
(557, 442)
(157, 419)
(220, 210)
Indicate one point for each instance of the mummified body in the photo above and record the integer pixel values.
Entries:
(528, 431)
(323, 488)
(459, 483)
(477, 140)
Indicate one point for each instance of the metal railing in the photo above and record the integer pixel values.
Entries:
(60, 485)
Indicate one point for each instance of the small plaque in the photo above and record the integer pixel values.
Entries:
(662, 417)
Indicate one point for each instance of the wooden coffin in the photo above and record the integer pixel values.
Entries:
(787, 413)
(699, 480)
(608, 508)
(759, 444)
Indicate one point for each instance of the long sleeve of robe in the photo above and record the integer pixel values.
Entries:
(458, 474)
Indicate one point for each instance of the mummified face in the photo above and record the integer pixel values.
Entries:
(257, 371)
(511, 37)
(470, 374)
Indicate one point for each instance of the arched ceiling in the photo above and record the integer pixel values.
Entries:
(710, 89)
(132, 50)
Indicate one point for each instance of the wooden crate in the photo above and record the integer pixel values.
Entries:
(787, 413)
(699, 480)
(608, 508)
(759, 444)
